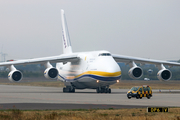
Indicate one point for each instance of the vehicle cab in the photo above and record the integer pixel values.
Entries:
(139, 92)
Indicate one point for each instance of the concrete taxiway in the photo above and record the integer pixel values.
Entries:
(31, 97)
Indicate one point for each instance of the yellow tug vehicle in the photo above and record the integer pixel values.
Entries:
(139, 92)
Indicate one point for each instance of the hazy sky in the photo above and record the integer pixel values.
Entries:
(141, 28)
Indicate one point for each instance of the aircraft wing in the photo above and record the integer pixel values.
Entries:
(129, 59)
(53, 59)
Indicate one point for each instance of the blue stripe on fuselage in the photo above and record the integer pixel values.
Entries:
(101, 78)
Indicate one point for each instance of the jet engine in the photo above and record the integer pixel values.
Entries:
(135, 72)
(15, 76)
(51, 73)
(164, 75)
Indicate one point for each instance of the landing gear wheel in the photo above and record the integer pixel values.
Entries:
(106, 90)
(68, 89)
(64, 89)
(103, 90)
(97, 90)
(73, 90)
(109, 90)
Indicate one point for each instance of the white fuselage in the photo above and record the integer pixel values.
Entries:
(95, 69)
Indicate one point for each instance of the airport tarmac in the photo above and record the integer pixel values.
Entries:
(33, 97)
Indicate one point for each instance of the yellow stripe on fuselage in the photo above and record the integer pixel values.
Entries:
(100, 73)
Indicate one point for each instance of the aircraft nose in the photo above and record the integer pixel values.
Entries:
(106, 69)
(112, 67)
(109, 65)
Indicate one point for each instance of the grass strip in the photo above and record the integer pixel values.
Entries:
(88, 114)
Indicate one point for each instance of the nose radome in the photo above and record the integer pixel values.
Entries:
(105, 64)
(112, 68)
(110, 65)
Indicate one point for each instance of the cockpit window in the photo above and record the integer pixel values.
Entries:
(104, 54)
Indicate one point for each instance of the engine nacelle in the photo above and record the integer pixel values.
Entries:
(164, 75)
(135, 72)
(15, 76)
(51, 73)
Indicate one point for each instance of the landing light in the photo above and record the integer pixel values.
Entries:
(117, 81)
(97, 81)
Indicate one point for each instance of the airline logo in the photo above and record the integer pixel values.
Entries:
(64, 40)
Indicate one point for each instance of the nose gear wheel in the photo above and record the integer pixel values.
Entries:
(103, 90)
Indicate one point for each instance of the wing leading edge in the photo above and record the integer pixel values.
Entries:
(129, 59)
(43, 60)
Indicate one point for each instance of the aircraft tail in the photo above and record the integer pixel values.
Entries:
(65, 35)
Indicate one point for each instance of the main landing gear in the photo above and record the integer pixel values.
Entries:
(69, 89)
(103, 90)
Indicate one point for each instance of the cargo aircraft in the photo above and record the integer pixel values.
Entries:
(94, 70)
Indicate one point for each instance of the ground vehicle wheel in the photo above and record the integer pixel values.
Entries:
(140, 97)
(129, 97)
(148, 97)
(137, 97)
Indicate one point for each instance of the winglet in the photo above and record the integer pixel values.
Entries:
(65, 35)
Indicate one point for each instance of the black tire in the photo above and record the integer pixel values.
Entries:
(109, 90)
(102, 90)
(137, 97)
(129, 97)
(69, 90)
(97, 90)
(73, 90)
(106, 90)
(148, 97)
(64, 89)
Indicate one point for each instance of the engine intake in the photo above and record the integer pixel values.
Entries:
(135, 72)
(15, 76)
(51, 73)
(164, 75)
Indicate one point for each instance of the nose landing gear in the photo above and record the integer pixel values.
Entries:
(103, 90)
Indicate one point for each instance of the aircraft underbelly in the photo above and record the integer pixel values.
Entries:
(88, 82)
